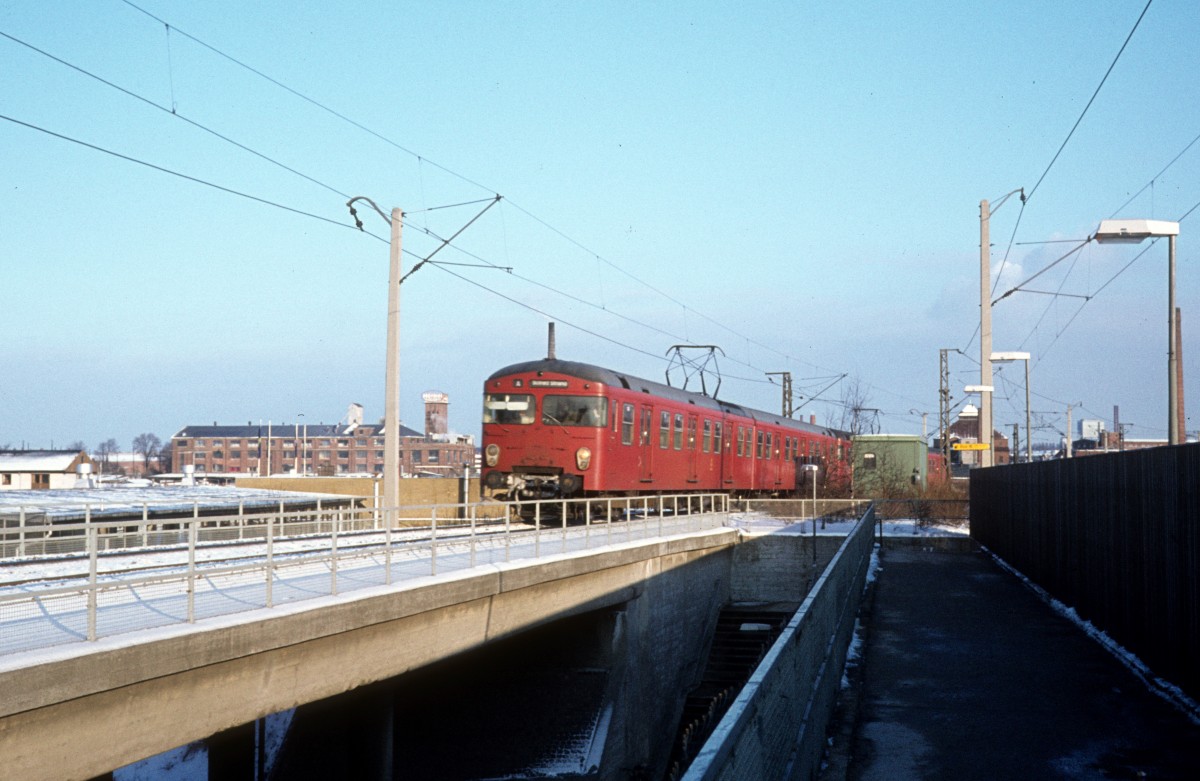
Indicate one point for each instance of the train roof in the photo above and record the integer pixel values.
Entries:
(587, 371)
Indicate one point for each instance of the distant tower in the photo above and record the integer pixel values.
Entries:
(437, 414)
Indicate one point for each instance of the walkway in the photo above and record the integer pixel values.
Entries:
(967, 674)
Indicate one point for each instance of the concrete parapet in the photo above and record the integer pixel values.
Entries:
(86, 710)
(776, 726)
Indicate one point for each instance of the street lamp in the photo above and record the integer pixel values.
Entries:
(984, 443)
(813, 468)
(1134, 232)
(1006, 357)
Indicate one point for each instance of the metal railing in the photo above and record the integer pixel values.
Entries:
(24, 534)
(108, 578)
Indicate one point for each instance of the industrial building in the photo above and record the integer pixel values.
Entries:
(345, 448)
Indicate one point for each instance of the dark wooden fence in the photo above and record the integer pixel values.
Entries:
(1116, 537)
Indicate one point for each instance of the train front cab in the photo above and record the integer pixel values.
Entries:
(543, 436)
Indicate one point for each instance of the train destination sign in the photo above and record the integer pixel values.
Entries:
(549, 383)
(969, 446)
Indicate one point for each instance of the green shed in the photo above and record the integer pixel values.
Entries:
(889, 464)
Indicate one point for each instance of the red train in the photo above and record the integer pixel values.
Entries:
(555, 428)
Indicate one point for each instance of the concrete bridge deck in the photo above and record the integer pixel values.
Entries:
(967, 673)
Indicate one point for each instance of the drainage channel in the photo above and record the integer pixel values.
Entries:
(743, 634)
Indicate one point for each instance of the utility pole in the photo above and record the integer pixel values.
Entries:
(787, 392)
(1068, 431)
(985, 327)
(391, 400)
(944, 404)
(985, 335)
(1015, 450)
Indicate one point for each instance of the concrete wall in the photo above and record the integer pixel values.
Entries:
(779, 567)
(659, 657)
(776, 726)
(86, 710)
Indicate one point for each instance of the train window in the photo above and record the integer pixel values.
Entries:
(590, 411)
(706, 440)
(508, 408)
(717, 438)
(627, 424)
(678, 431)
(647, 419)
(691, 434)
(868, 461)
(787, 448)
(664, 431)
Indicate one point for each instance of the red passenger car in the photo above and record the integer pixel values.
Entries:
(556, 428)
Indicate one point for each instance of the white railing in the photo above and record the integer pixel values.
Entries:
(129, 575)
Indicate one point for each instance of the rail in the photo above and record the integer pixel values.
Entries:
(108, 578)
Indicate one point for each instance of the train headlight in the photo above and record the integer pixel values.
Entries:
(583, 458)
(492, 454)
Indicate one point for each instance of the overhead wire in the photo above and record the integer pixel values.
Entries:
(173, 112)
(475, 183)
(1025, 197)
(181, 175)
(1155, 177)
(1083, 113)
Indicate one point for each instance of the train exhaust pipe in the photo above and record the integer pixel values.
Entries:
(550, 343)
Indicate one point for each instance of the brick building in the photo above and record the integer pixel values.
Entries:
(966, 429)
(349, 447)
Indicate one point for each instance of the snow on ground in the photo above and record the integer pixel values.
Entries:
(763, 523)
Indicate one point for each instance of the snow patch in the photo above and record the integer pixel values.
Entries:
(1162, 688)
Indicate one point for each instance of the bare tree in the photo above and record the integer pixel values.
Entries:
(77, 445)
(856, 416)
(164, 459)
(147, 446)
(105, 451)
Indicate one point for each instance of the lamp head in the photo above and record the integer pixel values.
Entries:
(1133, 231)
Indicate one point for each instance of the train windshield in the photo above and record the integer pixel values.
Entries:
(508, 408)
(575, 411)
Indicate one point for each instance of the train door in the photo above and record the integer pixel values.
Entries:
(693, 448)
(645, 445)
(775, 453)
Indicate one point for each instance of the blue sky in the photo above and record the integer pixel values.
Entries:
(796, 183)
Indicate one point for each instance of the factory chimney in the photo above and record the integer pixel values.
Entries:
(550, 345)
(1181, 421)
